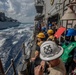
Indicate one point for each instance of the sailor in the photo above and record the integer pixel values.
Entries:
(54, 26)
(38, 26)
(51, 38)
(71, 60)
(42, 24)
(69, 36)
(45, 32)
(43, 29)
(40, 38)
(50, 26)
(54, 39)
(50, 33)
(50, 53)
(35, 61)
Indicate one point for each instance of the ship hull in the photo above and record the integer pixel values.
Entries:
(5, 25)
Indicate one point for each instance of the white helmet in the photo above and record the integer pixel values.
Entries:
(50, 51)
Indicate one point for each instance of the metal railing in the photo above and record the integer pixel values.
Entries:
(12, 65)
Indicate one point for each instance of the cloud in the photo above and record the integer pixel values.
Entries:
(22, 10)
(2, 0)
(1, 3)
(10, 9)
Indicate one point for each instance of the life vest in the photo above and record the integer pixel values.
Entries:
(67, 51)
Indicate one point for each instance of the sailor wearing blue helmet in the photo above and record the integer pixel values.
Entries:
(69, 36)
(50, 26)
(69, 39)
(71, 32)
(44, 29)
(45, 32)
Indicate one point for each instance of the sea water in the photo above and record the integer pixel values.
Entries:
(11, 41)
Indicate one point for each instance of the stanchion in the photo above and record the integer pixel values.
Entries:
(22, 68)
(23, 46)
(1, 68)
(12, 62)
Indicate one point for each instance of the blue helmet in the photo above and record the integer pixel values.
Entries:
(43, 29)
(50, 25)
(70, 32)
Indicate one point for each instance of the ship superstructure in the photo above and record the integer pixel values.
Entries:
(53, 10)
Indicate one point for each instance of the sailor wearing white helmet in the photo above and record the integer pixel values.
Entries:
(50, 52)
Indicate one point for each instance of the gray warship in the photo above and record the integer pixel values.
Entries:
(6, 22)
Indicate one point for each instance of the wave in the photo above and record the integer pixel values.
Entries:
(2, 41)
(15, 42)
(11, 40)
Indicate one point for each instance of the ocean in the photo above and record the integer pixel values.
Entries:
(11, 41)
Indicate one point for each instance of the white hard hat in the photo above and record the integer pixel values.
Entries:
(50, 51)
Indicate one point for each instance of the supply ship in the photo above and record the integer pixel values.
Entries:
(48, 11)
(6, 22)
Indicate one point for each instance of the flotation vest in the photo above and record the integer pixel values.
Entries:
(67, 50)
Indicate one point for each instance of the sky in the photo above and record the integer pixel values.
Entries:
(22, 10)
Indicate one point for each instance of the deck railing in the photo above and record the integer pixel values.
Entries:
(12, 65)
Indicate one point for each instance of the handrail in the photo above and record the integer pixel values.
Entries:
(13, 60)
(12, 64)
(17, 55)
(1, 68)
(8, 68)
